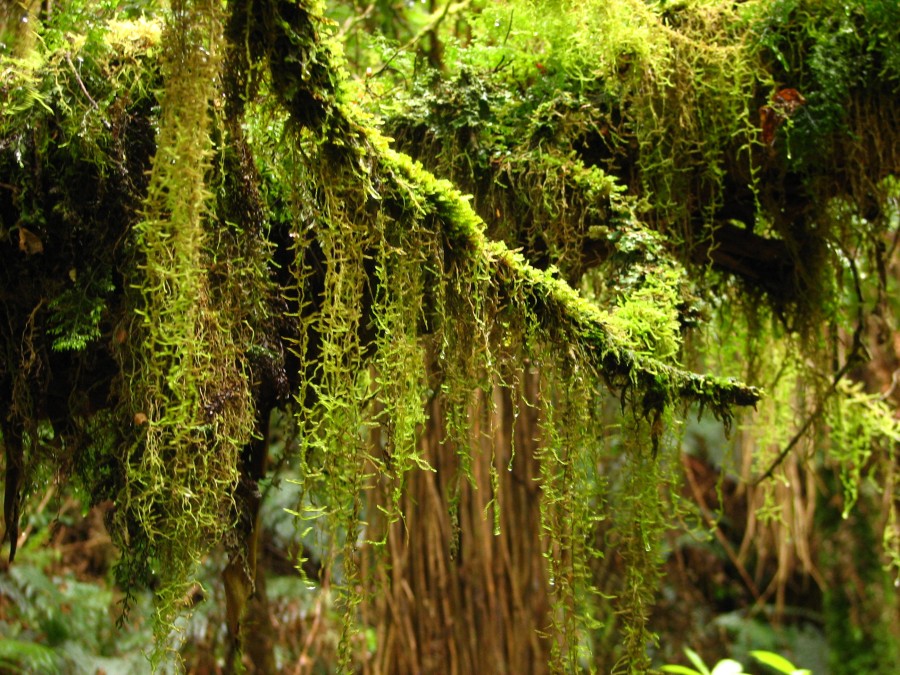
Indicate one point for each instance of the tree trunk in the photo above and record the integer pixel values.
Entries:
(467, 600)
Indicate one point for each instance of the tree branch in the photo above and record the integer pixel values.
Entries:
(314, 101)
(559, 307)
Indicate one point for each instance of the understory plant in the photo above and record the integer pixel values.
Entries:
(774, 662)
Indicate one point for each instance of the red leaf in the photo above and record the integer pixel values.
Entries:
(787, 101)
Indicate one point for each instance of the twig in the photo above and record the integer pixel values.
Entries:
(853, 358)
(352, 21)
(428, 28)
(496, 68)
(723, 541)
(80, 82)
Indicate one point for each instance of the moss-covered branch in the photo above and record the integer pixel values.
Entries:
(313, 98)
(276, 245)
(562, 311)
(730, 126)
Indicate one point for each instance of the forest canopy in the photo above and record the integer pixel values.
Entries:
(579, 230)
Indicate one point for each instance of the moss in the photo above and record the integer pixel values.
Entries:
(405, 220)
(186, 392)
(283, 246)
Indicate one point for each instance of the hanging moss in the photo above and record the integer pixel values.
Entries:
(371, 202)
(281, 246)
(573, 501)
(379, 254)
(186, 393)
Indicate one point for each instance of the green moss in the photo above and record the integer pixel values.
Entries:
(387, 285)
(186, 393)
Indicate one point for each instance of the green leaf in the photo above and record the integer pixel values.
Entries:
(697, 661)
(728, 667)
(19, 656)
(777, 662)
(680, 670)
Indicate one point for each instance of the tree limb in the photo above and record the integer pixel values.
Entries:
(314, 101)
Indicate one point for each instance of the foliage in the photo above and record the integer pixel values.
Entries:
(723, 667)
(648, 317)
(253, 238)
(861, 426)
(731, 667)
(186, 392)
(77, 315)
(54, 622)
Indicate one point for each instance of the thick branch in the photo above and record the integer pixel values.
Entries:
(291, 37)
(559, 308)
(761, 261)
